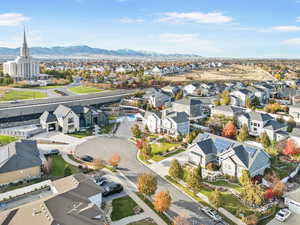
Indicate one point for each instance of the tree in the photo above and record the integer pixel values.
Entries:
(216, 198)
(97, 164)
(229, 130)
(180, 220)
(199, 171)
(291, 124)
(279, 189)
(67, 171)
(179, 95)
(225, 98)
(217, 102)
(147, 184)
(290, 148)
(139, 144)
(136, 132)
(162, 201)
(256, 101)
(248, 103)
(280, 119)
(265, 140)
(115, 160)
(243, 135)
(245, 178)
(146, 150)
(194, 180)
(175, 170)
(253, 194)
(251, 219)
(269, 194)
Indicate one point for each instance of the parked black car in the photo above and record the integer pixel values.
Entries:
(112, 188)
(87, 158)
(52, 152)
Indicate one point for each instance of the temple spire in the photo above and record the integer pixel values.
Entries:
(24, 48)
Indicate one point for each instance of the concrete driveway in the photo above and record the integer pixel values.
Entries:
(131, 168)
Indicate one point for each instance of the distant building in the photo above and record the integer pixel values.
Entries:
(24, 67)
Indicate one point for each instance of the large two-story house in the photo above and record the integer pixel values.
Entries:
(172, 123)
(230, 156)
(158, 98)
(192, 106)
(239, 97)
(262, 122)
(71, 119)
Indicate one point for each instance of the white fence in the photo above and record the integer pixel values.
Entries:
(27, 189)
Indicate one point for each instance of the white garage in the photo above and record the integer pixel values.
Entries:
(292, 201)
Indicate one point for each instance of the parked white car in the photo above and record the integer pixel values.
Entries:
(283, 214)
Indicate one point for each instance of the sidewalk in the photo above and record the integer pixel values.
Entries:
(130, 219)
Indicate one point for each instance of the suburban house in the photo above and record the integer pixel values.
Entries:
(73, 200)
(192, 106)
(158, 99)
(19, 161)
(230, 156)
(192, 89)
(295, 112)
(172, 123)
(262, 122)
(227, 111)
(260, 94)
(295, 135)
(239, 97)
(171, 90)
(71, 119)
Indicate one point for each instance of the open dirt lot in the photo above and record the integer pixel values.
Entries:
(234, 72)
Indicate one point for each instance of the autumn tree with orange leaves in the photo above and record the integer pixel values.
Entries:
(162, 201)
(229, 130)
(115, 160)
(290, 148)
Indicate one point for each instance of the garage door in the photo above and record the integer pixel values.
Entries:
(294, 207)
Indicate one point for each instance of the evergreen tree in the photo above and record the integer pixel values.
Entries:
(265, 140)
(194, 180)
(175, 170)
(243, 134)
(248, 103)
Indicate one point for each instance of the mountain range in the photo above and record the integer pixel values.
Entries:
(84, 50)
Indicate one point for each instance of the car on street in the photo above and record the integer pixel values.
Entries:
(87, 158)
(52, 152)
(212, 214)
(101, 181)
(283, 214)
(112, 188)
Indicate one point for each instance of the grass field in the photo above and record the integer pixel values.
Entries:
(49, 87)
(59, 165)
(84, 90)
(162, 147)
(6, 139)
(21, 95)
(82, 134)
(122, 207)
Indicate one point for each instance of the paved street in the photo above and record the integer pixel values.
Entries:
(104, 147)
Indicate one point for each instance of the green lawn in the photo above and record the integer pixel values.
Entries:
(21, 95)
(59, 165)
(158, 158)
(122, 207)
(49, 86)
(226, 184)
(84, 90)
(6, 139)
(142, 222)
(82, 134)
(162, 147)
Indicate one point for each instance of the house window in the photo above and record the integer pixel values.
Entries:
(255, 129)
(71, 120)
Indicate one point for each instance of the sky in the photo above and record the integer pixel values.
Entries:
(210, 28)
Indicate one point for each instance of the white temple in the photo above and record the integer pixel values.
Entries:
(24, 67)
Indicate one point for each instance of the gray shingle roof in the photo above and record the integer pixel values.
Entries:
(259, 116)
(48, 117)
(19, 155)
(189, 101)
(179, 117)
(274, 125)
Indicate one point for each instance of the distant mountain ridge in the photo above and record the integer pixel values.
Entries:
(83, 50)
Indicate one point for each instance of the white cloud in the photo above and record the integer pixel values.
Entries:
(298, 19)
(129, 20)
(292, 41)
(282, 29)
(194, 17)
(12, 19)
